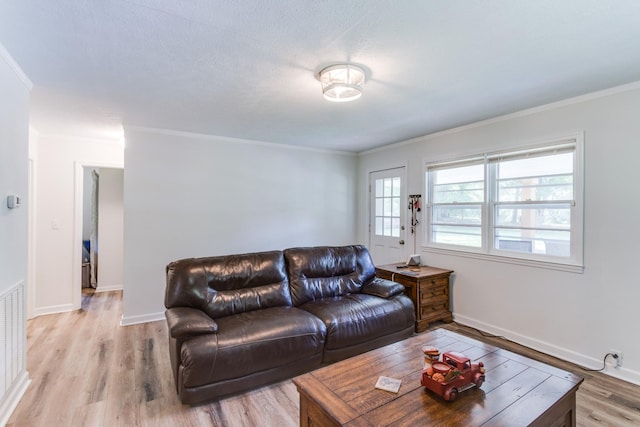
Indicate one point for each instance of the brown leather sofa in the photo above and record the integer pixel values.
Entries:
(241, 321)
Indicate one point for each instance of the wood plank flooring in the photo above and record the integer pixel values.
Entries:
(86, 370)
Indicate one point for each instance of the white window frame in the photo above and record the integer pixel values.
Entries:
(573, 263)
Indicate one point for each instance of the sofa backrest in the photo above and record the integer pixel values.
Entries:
(225, 285)
(327, 271)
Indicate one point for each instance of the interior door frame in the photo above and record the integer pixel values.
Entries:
(369, 191)
(78, 198)
(31, 247)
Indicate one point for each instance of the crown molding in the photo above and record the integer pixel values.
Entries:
(522, 113)
(219, 138)
(4, 54)
(75, 138)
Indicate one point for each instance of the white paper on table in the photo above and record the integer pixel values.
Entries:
(388, 384)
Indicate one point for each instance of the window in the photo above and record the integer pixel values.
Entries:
(387, 206)
(521, 204)
(457, 203)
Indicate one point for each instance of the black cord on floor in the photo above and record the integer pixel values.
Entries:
(484, 334)
(604, 363)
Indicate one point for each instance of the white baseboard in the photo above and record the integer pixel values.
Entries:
(143, 318)
(53, 309)
(11, 399)
(551, 349)
(108, 288)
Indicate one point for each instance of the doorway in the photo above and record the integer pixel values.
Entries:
(109, 229)
(387, 221)
(90, 211)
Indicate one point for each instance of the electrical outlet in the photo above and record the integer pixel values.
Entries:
(616, 360)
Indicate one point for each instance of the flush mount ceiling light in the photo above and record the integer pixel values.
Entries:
(342, 82)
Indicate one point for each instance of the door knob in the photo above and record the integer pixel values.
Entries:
(401, 242)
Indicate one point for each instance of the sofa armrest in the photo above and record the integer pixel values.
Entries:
(187, 322)
(382, 288)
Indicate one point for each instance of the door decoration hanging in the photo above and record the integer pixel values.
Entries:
(414, 207)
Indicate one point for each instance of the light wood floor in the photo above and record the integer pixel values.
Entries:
(86, 370)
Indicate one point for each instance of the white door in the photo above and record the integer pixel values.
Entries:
(388, 208)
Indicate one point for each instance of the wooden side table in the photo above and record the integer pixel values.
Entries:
(428, 288)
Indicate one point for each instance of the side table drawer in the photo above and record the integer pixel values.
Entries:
(427, 293)
(434, 310)
(434, 283)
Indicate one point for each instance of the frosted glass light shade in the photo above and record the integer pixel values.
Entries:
(342, 82)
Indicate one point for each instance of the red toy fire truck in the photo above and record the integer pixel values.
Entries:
(453, 375)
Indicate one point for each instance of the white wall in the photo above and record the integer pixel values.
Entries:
(579, 317)
(110, 229)
(14, 178)
(14, 152)
(191, 196)
(58, 161)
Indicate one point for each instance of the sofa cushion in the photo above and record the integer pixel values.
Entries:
(383, 288)
(322, 272)
(185, 322)
(225, 285)
(251, 342)
(356, 318)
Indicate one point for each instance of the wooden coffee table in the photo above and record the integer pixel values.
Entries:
(518, 391)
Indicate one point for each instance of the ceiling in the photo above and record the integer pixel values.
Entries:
(248, 69)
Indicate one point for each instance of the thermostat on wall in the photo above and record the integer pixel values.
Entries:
(13, 201)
